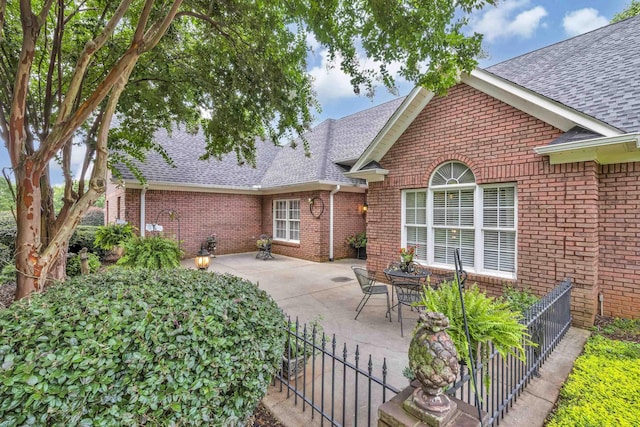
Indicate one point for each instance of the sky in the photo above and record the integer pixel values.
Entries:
(513, 28)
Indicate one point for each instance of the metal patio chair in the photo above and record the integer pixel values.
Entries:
(264, 248)
(367, 281)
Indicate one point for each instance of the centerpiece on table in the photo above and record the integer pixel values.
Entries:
(406, 258)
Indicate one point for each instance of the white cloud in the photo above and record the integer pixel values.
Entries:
(331, 83)
(582, 21)
(500, 22)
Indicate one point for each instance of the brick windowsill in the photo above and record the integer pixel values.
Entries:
(283, 243)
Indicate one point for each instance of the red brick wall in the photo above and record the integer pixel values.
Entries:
(557, 205)
(314, 232)
(238, 220)
(112, 194)
(619, 267)
(233, 218)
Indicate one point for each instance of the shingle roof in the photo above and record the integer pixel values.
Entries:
(330, 142)
(595, 73)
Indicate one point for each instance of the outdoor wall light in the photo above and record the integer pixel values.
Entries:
(365, 208)
(202, 259)
(310, 201)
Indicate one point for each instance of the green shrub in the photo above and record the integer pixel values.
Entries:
(84, 237)
(7, 264)
(151, 252)
(603, 388)
(8, 230)
(489, 321)
(73, 264)
(124, 347)
(112, 235)
(519, 299)
(94, 216)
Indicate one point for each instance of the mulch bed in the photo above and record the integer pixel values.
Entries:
(7, 294)
(601, 325)
(262, 417)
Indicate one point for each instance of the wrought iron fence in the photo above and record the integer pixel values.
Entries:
(547, 322)
(329, 381)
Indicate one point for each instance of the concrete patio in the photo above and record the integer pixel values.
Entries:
(329, 290)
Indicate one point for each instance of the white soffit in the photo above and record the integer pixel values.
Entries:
(543, 108)
(605, 151)
(371, 175)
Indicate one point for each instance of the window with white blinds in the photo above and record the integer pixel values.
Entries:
(286, 220)
(455, 213)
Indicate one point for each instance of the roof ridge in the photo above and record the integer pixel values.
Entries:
(369, 108)
(563, 41)
(327, 149)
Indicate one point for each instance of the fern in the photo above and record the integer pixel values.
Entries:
(151, 252)
(490, 321)
(109, 236)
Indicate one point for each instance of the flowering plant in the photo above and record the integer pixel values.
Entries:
(406, 255)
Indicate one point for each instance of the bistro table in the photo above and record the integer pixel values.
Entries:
(407, 286)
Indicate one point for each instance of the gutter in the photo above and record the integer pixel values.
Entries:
(143, 219)
(334, 191)
(589, 143)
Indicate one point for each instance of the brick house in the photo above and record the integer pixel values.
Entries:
(531, 168)
(305, 202)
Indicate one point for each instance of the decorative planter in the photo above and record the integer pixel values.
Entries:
(294, 367)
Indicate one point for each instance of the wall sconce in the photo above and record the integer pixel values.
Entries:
(363, 209)
(310, 200)
(202, 259)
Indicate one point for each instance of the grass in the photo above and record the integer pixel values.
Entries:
(604, 387)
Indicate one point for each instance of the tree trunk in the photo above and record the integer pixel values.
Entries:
(28, 242)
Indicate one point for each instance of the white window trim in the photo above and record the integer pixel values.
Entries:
(288, 220)
(478, 212)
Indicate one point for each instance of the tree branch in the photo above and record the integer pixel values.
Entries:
(157, 30)
(3, 11)
(55, 53)
(85, 58)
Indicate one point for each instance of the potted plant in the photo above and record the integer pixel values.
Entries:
(299, 347)
(358, 241)
(112, 237)
(490, 321)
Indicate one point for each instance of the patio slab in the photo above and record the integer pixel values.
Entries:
(308, 290)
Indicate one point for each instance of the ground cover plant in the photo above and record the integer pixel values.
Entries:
(604, 386)
(134, 347)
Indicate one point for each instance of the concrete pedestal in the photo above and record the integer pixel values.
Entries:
(392, 414)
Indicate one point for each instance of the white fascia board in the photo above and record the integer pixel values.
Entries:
(545, 109)
(256, 190)
(604, 150)
(371, 175)
(417, 99)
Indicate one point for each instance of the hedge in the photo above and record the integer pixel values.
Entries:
(73, 264)
(133, 347)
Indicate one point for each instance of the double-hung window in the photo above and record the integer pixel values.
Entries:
(286, 220)
(456, 213)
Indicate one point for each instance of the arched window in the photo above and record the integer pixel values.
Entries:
(456, 213)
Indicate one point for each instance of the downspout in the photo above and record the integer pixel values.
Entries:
(334, 191)
(143, 210)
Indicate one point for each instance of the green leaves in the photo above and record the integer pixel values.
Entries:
(153, 252)
(604, 387)
(109, 236)
(128, 347)
(489, 320)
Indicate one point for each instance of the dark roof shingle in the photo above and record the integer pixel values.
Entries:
(595, 73)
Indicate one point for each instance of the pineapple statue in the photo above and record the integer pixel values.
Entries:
(434, 362)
